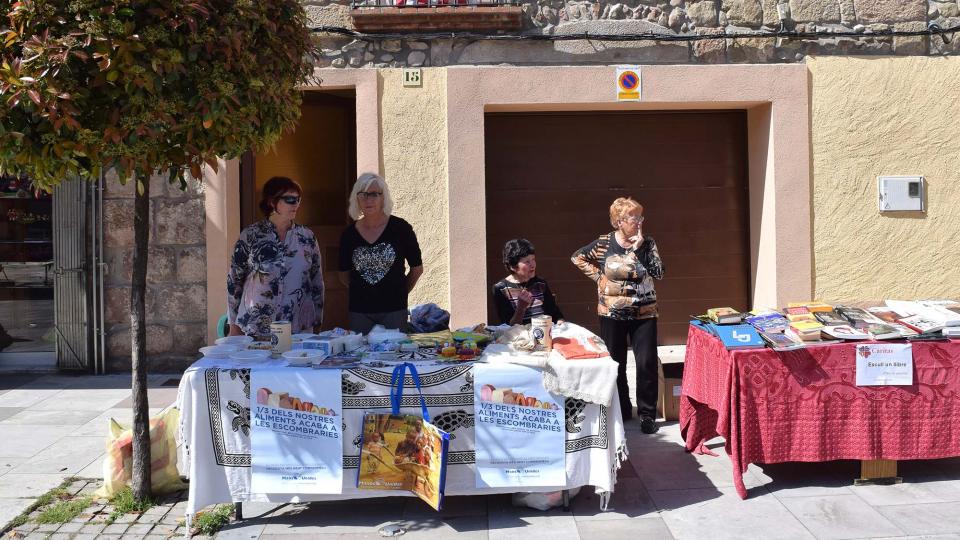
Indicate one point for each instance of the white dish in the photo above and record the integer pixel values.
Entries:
(250, 354)
(239, 341)
(301, 337)
(218, 351)
(303, 357)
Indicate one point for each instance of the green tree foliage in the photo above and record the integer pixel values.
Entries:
(145, 85)
(142, 86)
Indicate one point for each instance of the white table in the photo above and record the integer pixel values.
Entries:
(214, 400)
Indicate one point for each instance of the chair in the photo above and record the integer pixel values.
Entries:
(223, 326)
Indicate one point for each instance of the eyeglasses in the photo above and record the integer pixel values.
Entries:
(633, 219)
(369, 194)
(290, 199)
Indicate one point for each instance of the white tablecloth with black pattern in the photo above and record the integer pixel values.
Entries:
(214, 401)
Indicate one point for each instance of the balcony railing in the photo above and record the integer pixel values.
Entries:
(359, 4)
(421, 16)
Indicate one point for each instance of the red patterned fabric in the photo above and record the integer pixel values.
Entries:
(804, 405)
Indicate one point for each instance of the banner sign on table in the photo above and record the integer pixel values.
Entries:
(296, 441)
(885, 364)
(519, 428)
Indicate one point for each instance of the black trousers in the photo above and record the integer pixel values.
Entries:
(642, 334)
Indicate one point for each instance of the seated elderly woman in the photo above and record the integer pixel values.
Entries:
(523, 295)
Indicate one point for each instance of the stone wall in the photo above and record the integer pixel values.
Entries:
(866, 18)
(176, 299)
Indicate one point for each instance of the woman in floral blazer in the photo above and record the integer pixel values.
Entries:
(275, 273)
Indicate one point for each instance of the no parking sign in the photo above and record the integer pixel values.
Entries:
(628, 83)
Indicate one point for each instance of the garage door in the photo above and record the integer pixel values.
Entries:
(550, 177)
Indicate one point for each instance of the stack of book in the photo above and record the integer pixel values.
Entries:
(724, 315)
(804, 323)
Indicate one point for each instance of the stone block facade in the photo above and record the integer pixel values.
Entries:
(865, 20)
(176, 299)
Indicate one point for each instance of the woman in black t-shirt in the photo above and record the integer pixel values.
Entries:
(372, 255)
(523, 295)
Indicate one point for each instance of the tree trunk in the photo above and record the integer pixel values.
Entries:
(140, 483)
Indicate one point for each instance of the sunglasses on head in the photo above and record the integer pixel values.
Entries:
(290, 199)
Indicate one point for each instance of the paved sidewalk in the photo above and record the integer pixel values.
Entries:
(53, 426)
(165, 520)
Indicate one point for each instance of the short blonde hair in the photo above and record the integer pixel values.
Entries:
(364, 181)
(621, 207)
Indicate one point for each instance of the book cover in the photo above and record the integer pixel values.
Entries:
(845, 331)
(922, 324)
(805, 330)
(768, 322)
(830, 318)
(886, 314)
(858, 318)
(819, 307)
(806, 326)
(791, 333)
(883, 331)
(779, 341)
(725, 315)
(739, 336)
(812, 307)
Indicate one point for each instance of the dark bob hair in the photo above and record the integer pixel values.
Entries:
(273, 190)
(514, 250)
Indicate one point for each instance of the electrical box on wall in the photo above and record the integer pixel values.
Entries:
(901, 193)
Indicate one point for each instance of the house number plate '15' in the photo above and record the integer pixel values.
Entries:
(412, 77)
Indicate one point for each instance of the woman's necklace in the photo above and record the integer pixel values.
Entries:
(622, 240)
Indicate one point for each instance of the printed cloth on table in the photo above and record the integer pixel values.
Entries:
(804, 405)
(215, 431)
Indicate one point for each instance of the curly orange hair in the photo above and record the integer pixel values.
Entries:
(621, 208)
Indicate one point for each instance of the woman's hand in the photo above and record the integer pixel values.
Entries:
(235, 330)
(524, 300)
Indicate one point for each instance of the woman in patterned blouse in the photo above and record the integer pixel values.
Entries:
(275, 273)
(624, 264)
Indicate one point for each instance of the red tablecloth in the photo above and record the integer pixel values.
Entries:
(804, 405)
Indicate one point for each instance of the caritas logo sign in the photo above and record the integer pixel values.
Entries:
(864, 352)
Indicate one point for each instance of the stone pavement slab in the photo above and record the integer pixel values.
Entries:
(919, 492)
(630, 500)
(718, 513)
(7, 412)
(840, 517)
(346, 517)
(509, 522)
(932, 518)
(68, 455)
(31, 486)
(27, 441)
(51, 418)
(7, 464)
(647, 529)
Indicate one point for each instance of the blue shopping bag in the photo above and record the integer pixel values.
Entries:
(404, 451)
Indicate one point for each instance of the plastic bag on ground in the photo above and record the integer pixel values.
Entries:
(542, 501)
(118, 463)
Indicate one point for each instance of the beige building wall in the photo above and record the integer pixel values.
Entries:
(868, 117)
(884, 116)
(413, 135)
